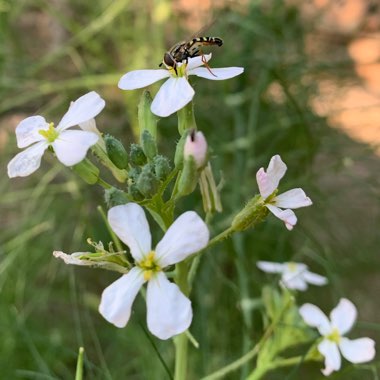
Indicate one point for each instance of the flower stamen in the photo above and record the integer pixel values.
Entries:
(334, 336)
(49, 134)
(149, 265)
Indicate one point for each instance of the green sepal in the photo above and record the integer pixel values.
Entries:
(87, 171)
(148, 144)
(116, 152)
(147, 120)
(178, 157)
(188, 178)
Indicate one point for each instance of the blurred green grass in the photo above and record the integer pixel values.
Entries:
(52, 52)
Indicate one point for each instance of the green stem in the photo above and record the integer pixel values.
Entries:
(223, 235)
(181, 341)
(79, 370)
(104, 184)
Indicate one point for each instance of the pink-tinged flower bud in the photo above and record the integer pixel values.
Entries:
(196, 147)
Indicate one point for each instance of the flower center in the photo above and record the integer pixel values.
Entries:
(292, 267)
(149, 265)
(50, 134)
(179, 71)
(271, 199)
(334, 336)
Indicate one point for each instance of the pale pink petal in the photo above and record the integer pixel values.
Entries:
(314, 317)
(169, 312)
(216, 73)
(130, 225)
(141, 78)
(173, 95)
(313, 278)
(287, 216)
(294, 198)
(117, 299)
(331, 353)
(71, 146)
(268, 181)
(27, 131)
(343, 316)
(360, 350)
(187, 235)
(27, 161)
(194, 62)
(83, 109)
(270, 267)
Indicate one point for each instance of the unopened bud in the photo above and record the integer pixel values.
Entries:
(147, 183)
(161, 167)
(196, 147)
(115, 197)
(134, 192)
(87, 171)
(116, 152)
(148, 144)
(136, 155)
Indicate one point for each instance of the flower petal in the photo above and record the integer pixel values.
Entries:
(141, 78)
(116, 303)
(287, 216)
(194, 62)
(27, 130)
(169, 312)
(331, 353)
(27, 161)
(270, 267)
(187, 235)
(84, 108)
(130, 225)
(314, 278)
(71, 146)
(343, 316)
(358, 350)
(314, 317)
(217, 73)
(268, 181)
(293, 280)
(173, 95)
(294, 198)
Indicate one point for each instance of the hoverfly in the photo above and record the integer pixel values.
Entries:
(184, 50)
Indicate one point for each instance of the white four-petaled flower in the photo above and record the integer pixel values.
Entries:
(342, 318)
(176, 92)
(169, 312)
(293, 275)
(268, 183)
(70, 146)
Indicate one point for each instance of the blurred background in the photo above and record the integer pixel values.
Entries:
(310, 92)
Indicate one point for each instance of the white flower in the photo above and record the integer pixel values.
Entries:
(293, 275)
(168, 311)
(342, 318)
(176, 92)
(268, 182)
(70, 146)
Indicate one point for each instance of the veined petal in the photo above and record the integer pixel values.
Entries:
(270, 267)
(314, 278)
(169, 312)
(130, 225)
(173, 95)
(268, 181)
(314, 317)
(287, 216)
(187, 235)
(116, 303)
(194, 62)
(84, 108)
(141, 78)
(343, 316)
(216, 73)
(71, 146)
(358, 350)
(27, 161)
(27, 130)
(294, 198)
(331, 353)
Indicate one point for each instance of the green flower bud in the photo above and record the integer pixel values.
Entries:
(134, 192)
(115, 197)
(147, 120)
(116, 152)
(253, 213)
(134, 173)
(189, 177)
(147, 183)
(136, 155)
(161, 167)
(148, 144)
(87, 171)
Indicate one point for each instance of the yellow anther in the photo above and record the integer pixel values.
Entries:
(50, 134)
(292, 267)
(148, 275)
(149, 265)
(334, 336)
